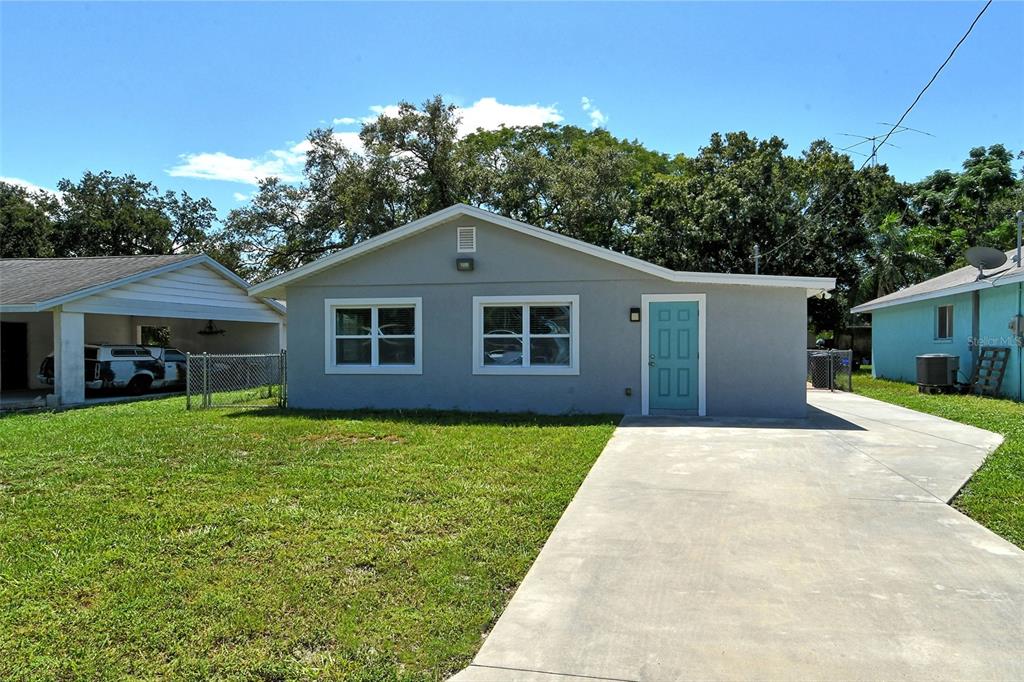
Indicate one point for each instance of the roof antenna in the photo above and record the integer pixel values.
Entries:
(984, 258)
(876, 145)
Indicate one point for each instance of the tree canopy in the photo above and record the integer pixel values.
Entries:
(810, 213)
(103, 215)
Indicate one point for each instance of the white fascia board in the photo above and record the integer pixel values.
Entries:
(19, 308)
(190, 312)
(941, 293)
(275, 285)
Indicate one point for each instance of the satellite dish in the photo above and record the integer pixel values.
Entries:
(985, 258)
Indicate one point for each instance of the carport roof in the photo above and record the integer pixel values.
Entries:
(38, 280)
(37, 284)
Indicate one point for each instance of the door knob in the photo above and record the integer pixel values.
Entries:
(651, 363)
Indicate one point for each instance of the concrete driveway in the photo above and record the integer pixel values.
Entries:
(746, 549)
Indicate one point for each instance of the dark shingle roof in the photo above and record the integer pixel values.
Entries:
(936, 285)
(34, 280)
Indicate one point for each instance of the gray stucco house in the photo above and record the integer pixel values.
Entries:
(468, 310)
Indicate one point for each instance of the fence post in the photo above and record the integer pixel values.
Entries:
(206, 379)
(282, 394)
(188, 381)
(849, 371)
(832, 371)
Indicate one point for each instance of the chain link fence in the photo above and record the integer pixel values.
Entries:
(236, 380)
(830, 369)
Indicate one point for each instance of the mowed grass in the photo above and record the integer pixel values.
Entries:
(995, 494)
(144, 541)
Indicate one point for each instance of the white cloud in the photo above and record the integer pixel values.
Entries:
(239, 196)
(351, 141)
(487, 113)
(597, 118)
(285, 164)
(379, 110)
(28, 186)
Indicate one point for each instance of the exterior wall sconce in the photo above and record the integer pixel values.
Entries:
(634, 314)
(464, 264)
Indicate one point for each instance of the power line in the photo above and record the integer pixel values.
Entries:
(767, 256)
(937, 72)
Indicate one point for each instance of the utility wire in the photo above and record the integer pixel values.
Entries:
(767, 255)
(937, 72)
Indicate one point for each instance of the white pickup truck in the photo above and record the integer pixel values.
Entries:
(135, 368)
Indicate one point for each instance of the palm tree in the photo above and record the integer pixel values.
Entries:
(897, 256)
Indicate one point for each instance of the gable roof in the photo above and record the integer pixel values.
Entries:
(36, 284)
(957, 281)
(275, 286)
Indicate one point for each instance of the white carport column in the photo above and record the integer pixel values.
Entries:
(69, 357)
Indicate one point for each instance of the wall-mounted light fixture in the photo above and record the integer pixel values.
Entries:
(464, 264)
(634, 314)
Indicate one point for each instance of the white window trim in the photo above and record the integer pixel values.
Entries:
(645, 345)
(332, 304)
(951, 319)
(572, 300)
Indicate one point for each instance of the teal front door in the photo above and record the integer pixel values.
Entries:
(672, 361)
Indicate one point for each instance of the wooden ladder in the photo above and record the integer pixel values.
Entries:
(988, 373)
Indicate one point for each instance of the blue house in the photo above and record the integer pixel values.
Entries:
(956, 313)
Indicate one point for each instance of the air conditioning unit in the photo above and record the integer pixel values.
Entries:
(937, 372)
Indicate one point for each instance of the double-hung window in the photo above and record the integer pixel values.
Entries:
(373, 336)
(526, 335)
(944, 323)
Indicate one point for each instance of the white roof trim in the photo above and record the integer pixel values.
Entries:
(1007, 277)
(814, 285)
(199, 259)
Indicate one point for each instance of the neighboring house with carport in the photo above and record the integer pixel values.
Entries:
(58, 305)
(956, 313)
(465, 309)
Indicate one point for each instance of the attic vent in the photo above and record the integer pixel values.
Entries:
(466, 240)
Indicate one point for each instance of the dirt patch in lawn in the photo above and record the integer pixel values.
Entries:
(350, 438)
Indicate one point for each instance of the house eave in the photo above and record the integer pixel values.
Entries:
(276, 287)
(11, 308)
(940, 293)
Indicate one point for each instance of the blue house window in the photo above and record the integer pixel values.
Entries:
(944, 322)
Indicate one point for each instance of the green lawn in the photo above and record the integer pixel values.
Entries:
(995, 494)
(144, 541)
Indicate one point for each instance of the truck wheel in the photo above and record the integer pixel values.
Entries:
(139, 384)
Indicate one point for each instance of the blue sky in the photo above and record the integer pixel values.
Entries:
(205, 97)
